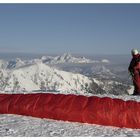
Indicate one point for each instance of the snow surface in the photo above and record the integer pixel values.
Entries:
(41, 76)
(16, 125)
(46, 73)
(25, 76)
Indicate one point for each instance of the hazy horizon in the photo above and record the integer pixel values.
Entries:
(119, 59)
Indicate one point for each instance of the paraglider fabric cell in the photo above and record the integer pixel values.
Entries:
(76, 108)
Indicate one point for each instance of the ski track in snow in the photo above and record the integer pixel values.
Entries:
(25, 126)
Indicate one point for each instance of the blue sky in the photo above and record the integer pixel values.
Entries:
(74, 28)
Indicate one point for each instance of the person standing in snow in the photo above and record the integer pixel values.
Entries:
(134, 69)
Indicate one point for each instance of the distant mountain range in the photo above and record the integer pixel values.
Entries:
(37, 75)
(65, 58)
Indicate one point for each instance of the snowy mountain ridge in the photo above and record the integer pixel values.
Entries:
(68, 58)
(65, 58)
(40, 76)
(36, 75)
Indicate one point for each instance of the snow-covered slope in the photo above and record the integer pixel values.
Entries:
(15, 63)
(23, 126)
(40, 76)
(35, 75)
(3, 64)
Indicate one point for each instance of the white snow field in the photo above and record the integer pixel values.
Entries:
(25, 77)
(25, 126)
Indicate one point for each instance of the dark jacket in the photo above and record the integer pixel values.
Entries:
(133, 64)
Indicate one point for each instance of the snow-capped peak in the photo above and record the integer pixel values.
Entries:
(65, 58)
(105, 61)
(15, 63)
(40, 76)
